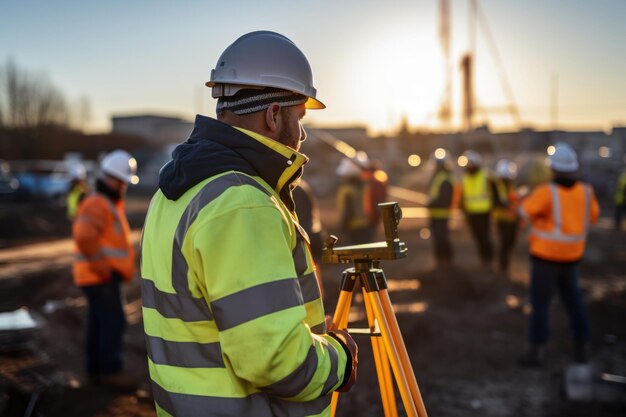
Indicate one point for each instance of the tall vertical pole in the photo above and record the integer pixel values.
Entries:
(554, 101)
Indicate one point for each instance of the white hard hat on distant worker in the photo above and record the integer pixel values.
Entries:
(347, 168)
(506, 169)
(474, 159)
(564, 158)
(260, 60)
(78, 172)
(121, 165)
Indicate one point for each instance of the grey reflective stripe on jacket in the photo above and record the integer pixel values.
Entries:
(104, 252)
(258, 405)
(557, 233)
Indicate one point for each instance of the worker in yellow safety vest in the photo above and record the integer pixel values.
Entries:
(476, 203)
(77, 190)
(505, 212)
(620, 200)
(104, 259)
(355, 226)
(559, 213)
(234, 321)
(441, 205)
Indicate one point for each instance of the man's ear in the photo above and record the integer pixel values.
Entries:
(272, 117)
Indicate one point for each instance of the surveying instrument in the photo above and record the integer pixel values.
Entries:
(387, 343)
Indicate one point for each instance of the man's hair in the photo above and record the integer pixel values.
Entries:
(252, 100)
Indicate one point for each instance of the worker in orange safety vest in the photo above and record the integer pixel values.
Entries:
(104, 258)
(559, 213)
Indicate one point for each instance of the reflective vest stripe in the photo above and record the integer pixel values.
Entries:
(105, 252)
(260, 300)
(557, 234)
(187, 354)
(332, 379)
(172, 306)
(299, 255)
(206, 195)
(295, 382)
(309, 287)
(259, 405)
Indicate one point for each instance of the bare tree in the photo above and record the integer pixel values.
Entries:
(29, 101)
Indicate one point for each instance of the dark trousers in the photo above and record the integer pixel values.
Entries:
(619, 210)
(480, 227)
(545, 277)
(507, 233)
(441, 240)
(105, 328)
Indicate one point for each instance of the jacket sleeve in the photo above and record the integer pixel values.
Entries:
(537, 204)
(257, 303)
(87, 227)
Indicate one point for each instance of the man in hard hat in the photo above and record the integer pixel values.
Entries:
(476, 203)
(620, 199)
(441, 192)
(234, 322)
(354, 223)
(505, 212)
(559, 213)
(105, 258)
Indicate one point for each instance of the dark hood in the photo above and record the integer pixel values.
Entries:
(214, 148)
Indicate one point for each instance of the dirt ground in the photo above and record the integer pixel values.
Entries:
(464, 327)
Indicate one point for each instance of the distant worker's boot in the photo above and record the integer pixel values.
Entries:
(582, 351)
(534, 357)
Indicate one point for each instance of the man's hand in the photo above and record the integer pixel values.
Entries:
(352, 350)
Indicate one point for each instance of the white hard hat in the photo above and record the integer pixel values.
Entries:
(474, 159)
(78, 171)
(121, 165)
(263, 59)
(347, 168)
(563, 159)
(506, 169)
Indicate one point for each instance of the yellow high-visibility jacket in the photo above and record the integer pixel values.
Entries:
(477, 198)
(232, 311)
(620, 190)
(441, 204)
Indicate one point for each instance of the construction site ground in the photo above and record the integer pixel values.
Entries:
(464, 327)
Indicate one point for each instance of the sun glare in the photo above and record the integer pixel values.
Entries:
(395, 75)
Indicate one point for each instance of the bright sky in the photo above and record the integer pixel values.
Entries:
(374, 62)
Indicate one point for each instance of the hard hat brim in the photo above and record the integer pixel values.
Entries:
(314, 104)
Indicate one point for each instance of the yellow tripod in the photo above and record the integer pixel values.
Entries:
(387, 343)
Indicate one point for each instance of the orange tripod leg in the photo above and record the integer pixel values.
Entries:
(340, 321)
(381, 361)
(402, 352)
(394, 359)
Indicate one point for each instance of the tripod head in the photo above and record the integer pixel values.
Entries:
(392, 248)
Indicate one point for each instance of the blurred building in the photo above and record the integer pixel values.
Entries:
(163, 130)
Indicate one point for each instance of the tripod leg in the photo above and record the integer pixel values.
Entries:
(401, 348)
(340, 320)
(381, 361)
(396, 365)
